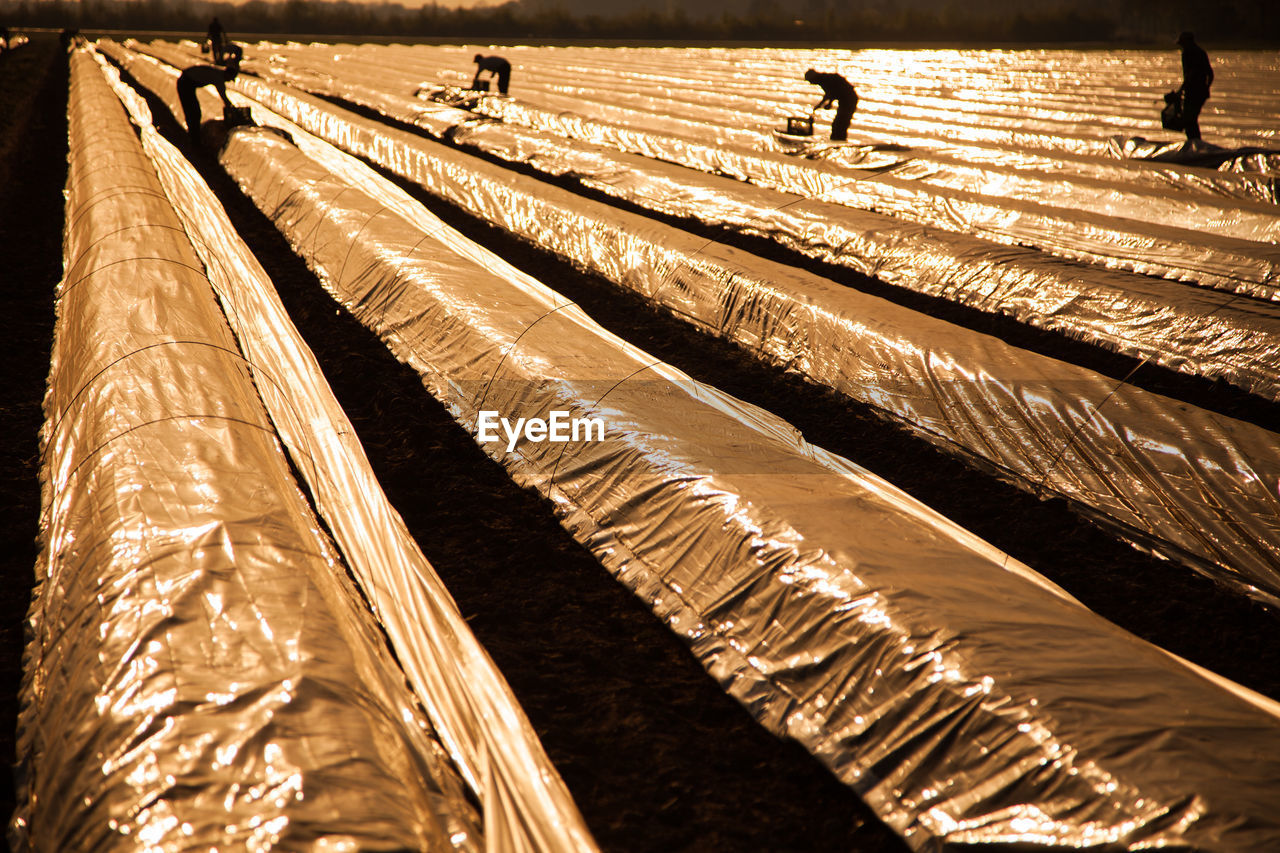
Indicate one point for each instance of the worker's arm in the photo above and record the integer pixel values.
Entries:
(221, 86)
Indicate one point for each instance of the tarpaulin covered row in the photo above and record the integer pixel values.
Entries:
(1113, 226)
(201, 674)
(523, 802)
(1194, 485)
(1225, 263)
(967, 698)
(915, 111)
(738, 98)
(1184, 328)
(1063, 102)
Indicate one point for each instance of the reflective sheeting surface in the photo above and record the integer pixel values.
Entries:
(1185, 328)
(716, 111)
(968, 699)
(524, 802)
(1192, 484)
(201, 673)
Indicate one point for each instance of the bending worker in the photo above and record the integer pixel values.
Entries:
(497, 67)
(837, 90)
(1197, 76)
(198, 76)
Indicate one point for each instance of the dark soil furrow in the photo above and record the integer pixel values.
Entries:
(1163, 602)
(656, 755)
(33, 169)
(1213, 395)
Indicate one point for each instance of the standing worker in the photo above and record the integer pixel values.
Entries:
(1197, 76)
(217, 38)
(198, 76)
(497, 67)
(837, 90)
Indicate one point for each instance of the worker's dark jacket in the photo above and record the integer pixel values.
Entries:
(1196, 73)
(493, 64)
(833, 86)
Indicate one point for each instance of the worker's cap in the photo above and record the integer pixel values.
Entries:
(811, 73)
(1186, 38)
(478, 57)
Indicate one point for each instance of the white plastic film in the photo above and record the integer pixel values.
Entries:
(1010, 202)
(1197, 331)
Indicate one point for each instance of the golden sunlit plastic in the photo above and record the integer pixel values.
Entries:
(966, 698)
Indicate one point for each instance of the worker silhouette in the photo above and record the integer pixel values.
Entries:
(217, 40)
(198, 76)
(1197, 76)
(4, 37)
(496, 66)
(837, 90)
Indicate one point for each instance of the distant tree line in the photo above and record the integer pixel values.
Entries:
(777, 21)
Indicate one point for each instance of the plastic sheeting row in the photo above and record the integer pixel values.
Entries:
(202, 672)
(967, 698)
(200, 669)
(1195, 485)
(1190, 329)
(1119, 233)
(487, 735)
(1005, 111)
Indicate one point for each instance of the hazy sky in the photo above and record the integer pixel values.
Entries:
(447, 4)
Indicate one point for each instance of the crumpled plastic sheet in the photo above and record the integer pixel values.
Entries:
(1225, 263)
(524, 803)
(1183, 328)
(200, 673)
(1062, 102)
(1114, 226)
(675, 93)
(1253, 159)
(1189, 483)
(968, 699)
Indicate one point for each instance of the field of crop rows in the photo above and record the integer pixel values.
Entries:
(949, 452)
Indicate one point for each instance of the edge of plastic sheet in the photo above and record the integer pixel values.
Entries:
(967, 702)
(200, 672)
(525, 804)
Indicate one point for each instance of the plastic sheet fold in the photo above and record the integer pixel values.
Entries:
(201, 673)
(1191, 484)
(968, 699)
